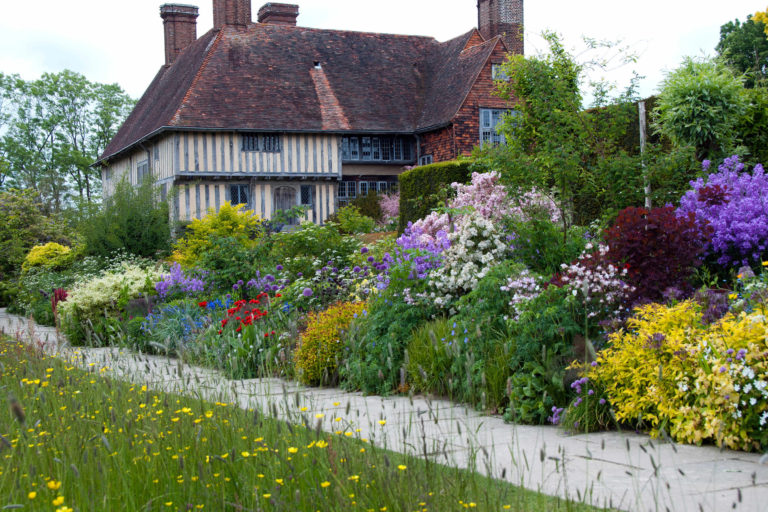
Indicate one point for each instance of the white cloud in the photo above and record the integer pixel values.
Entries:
(122, 41)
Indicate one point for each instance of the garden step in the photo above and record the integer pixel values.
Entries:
(623, 470)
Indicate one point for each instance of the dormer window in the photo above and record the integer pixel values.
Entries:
(261, 142)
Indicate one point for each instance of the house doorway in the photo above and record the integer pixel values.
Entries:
(285, 199)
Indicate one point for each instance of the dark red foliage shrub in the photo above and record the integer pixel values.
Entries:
(660, 248)
(714, 195)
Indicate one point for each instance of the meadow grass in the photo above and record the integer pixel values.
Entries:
(77, 440)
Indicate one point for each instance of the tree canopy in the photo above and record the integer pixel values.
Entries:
(51, 132)
(744, 48)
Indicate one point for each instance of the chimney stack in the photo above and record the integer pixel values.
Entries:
(180, 23)
(279, 14)
(231, 12)
(502, 18)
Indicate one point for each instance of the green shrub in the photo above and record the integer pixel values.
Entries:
(378, 343)
(352, 221)
(321, 344)
(540, 246)
(50, 255)
(533, 391)
(311, 246)
(229, 222)
(487, 304)
(133, 219)
(369, 205)
(423, 188)
(23, 226)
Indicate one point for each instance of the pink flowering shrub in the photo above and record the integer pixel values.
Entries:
(485, 194)
(390, 206)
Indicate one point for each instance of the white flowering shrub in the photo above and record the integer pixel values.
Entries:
(597, 282)
(105, 295)
(523, 288)
(476, 246)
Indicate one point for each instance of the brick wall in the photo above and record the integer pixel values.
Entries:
(439, 144)
(464, 133)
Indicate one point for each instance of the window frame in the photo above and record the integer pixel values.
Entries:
(490, 118)
(240, 187)
(142, 171)
(270, 142)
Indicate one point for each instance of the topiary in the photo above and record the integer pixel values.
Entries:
(320, 346)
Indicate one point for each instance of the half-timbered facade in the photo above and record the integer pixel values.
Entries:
(275, 115)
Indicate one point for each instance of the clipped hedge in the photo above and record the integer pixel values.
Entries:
(421, 186)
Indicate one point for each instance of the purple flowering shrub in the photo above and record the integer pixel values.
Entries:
(735, 204)
(178, 283)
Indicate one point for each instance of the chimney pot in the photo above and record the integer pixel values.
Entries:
(279, 14)
(180, 24)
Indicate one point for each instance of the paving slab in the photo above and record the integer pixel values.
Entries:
(622, 470)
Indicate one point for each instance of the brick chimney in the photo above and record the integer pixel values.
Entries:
(279, 14)
(231, 12)
(180, 23)
(502, 18)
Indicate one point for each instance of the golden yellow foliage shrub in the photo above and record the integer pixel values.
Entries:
(50, 255)
(699, 383)
(230, 221)
(321, 343)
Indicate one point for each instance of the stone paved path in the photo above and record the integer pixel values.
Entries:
(622, 470)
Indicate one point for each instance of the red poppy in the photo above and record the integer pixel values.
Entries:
(203, 304)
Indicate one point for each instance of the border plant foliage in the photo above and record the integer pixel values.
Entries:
(423, 188)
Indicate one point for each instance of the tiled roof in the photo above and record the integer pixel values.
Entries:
(264, 77)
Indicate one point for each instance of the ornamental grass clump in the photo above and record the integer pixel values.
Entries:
(672, 373)
(321, 344)
(734, 203)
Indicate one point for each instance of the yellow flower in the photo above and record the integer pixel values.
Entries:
(382, 422)
(54, 485)
(32, 495)
(320, 416)
(267, 496)
(293, 450)
(765, 263)
(325, 484)
(58, 501)
(402, 468)
(279, 481)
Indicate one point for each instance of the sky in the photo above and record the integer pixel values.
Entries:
(112, 41)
